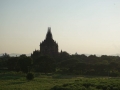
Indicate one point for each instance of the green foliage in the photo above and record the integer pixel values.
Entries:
(64, 64)
(44, 64)
(17, 81)
(12, 63)
(3, 60)
(90, 84)
(24, 63)
(30, 76)
(89, 65)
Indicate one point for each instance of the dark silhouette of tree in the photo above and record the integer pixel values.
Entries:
(64, 63)
(12, 63)
(3, 61)
(44, 64)
(25, 63)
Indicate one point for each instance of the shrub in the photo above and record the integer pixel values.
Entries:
(30, 76)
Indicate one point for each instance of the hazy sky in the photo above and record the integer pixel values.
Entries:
(82, 26)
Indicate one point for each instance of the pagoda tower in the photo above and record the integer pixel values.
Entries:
(49, 47)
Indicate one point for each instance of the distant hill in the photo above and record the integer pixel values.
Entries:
(15, 54)
(98, 55)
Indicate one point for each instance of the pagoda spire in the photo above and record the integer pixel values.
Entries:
(49, 34)
(49, 47)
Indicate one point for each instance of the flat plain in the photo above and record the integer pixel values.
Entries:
(17, 81)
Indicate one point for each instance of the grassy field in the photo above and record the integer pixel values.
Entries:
(17, 81)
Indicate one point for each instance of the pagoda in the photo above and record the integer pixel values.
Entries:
(49, 47)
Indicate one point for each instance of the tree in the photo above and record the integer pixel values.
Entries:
(25, 63)
(44, 64)
(12, 63)
(3, 61)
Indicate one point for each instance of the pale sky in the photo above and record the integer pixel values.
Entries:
(82, 26)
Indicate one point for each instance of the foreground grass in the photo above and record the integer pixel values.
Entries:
(90, 84)
(17, 81)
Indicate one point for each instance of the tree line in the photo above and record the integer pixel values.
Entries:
(64, 64)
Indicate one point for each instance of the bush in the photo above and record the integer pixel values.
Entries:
(30, 76)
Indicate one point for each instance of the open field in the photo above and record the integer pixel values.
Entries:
(17, 81)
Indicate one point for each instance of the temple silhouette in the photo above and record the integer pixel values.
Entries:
(48, 47)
